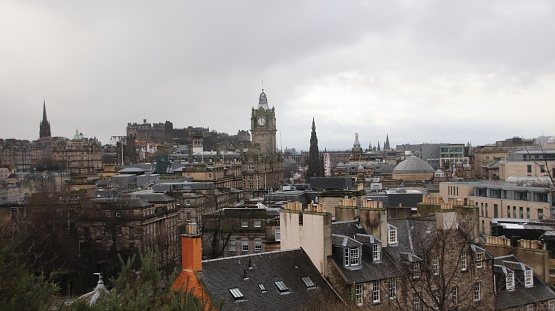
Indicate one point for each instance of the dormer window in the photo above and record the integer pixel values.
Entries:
(352, 256)
(528, 278)
(376, 252)
(510, 280)
(391, 234)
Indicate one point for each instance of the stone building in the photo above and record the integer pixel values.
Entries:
(239, 231)
(262, 164)
(132, 222)
(496, 200)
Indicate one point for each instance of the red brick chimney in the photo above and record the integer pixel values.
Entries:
(191, 249)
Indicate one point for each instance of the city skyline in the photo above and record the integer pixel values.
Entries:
(420, 72)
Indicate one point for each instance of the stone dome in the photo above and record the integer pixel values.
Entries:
(413, 165)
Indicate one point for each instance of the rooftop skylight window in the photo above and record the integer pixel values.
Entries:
(308, 282)
(281, 286)
(236, 293)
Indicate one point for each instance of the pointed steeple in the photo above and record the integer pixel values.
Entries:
(386, 146)
(44, 124)
(44, 111)
(314, 161)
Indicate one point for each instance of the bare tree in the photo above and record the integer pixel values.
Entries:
(446, 271)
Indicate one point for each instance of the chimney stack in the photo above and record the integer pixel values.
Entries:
(191, 249)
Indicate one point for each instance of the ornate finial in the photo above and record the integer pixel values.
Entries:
(356, 135)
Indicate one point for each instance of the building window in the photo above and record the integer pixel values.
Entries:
(551, 305)
(514, 211)
(355, 260)
(530, 308)
(233, 245)
(528, 212)
(358, 294)
(540, 213)
(416, 302)
(508, 211)
(277, 232)
(455, 295)
(189, 216)
(257, 245)
(435, 264)
(351, 256)
(528, 278)
(392, 235)
(479, 260)
(529, 168)
(463, 261)
(244, 223)
(376, 252)
(521, 212)
(477, 291)
(257, 223)
(245, 245)
(510, 281)
(415, 270)
(376, 291)
(392, 288)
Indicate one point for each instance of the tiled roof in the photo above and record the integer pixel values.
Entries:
(252, 279)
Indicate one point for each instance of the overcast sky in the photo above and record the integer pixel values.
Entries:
(418, 71)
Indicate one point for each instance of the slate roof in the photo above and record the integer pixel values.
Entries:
(521, 296)
(410, 233)
(368, 270)
(219, 276)
(154, 197)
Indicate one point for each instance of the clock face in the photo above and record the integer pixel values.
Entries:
(261, 121)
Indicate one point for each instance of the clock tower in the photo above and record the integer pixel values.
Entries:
(262, 168)
(263, 126)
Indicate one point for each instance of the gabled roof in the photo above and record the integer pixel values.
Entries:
(264, 281)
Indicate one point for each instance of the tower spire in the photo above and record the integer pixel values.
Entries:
(315, 161)
(44, 124)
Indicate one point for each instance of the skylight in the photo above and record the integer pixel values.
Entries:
(262, 287)
(281, 286)
(236, 293)
(308, 282)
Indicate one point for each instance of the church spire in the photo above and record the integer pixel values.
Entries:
(314, 161)
(386, 146)
(44, 124)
